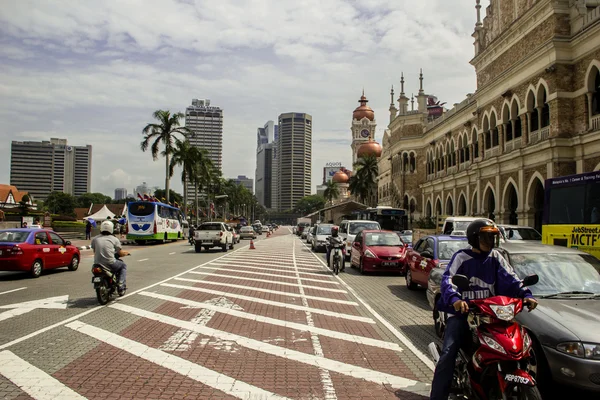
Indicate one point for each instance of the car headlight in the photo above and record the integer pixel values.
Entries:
(370, 254)
(492, 343)
(505, 313)
(581, 350)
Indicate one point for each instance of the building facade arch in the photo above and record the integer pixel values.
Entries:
(590, 75)
(449, 209)
(529, 200)
(462, 209)
(488, 204)
(438, 206)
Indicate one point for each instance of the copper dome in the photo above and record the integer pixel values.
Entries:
(370, 148)
(363, 111)
(340, 177)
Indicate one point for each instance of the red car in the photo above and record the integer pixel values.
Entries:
(34, 250)
(377, 250)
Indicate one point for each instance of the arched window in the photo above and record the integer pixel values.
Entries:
(532, 107)
(487, 133)
(405, 162)
(466, 148)
(412, 160)
(494, 130)
(452, 154)
(596, 94)
(506, 117)
(461, 150)
(545, 109)
(475, 141)
(514, 115)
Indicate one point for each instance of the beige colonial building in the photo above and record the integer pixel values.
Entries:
(535, 115)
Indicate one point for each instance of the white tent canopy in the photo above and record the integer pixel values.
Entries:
(101, 214)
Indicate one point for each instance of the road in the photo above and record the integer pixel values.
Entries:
(265, 323)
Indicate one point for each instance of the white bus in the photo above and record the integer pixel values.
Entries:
(148, 220)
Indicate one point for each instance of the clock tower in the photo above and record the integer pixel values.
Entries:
(363, 126)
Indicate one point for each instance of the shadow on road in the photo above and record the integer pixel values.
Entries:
(84, 304)
(12, 276)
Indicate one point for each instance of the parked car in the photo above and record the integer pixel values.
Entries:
(565, 327)
(407, 237)
(247, 232)
(377, 250)
(349, 229)
(234, 234)
(310, 234)
(36, 250)
(319, 241)
(428, 253)
(518, 233)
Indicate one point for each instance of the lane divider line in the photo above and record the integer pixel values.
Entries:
(271, 269)
(14, 290)
(176, 364)
(273, 275)
(143, 259)
(272, 303)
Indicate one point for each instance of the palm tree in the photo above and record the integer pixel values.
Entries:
(332, 191)
(186, 156)
(200, 174)
(164, 132)
(365, 178)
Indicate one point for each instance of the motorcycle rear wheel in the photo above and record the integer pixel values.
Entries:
(102, 294)
(336, 265)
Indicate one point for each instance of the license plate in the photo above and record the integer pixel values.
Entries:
(389, 264)
(207, 241)
(96, 279)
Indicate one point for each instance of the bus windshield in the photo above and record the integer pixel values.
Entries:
(141, 209)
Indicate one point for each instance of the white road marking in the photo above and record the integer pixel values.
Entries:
(225, 309)
(273, 275)
(273, 303)
(84, 313)
(407, 343)
(33, 380)
(266, 269)
(171, 253)
(143, 259)
(282, 267)
(14, 290)
(58, 302)
(176, 364)
(183, 339)
(267, 281)
(287, 294)
(326, 382)
(309, 359)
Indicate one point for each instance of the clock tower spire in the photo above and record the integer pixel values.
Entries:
(363, 126)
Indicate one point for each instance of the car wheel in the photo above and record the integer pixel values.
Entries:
(36, 268)
(224, 247)
(198, 248)
(439, 323)
(538, 366)
(231, 247)
(74, 264)
(312, 246)
(361, 267)
(409, 282)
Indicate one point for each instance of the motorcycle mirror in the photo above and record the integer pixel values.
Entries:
(531, 280)
(461, 281)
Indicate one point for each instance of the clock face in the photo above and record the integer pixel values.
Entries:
(364, 133)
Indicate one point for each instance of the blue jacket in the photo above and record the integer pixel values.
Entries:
(489, 275)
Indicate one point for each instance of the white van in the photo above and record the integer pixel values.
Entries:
(457, 226)
(349, 229)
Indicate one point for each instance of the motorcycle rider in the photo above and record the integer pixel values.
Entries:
(105, 247)
(490, 275)
(191, 234)
(331, 240)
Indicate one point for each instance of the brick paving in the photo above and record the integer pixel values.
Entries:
(270, 328)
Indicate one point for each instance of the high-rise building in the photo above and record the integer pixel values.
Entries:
(294, 158)
(266, 168)
(120, 193)
(206, 122)
(43, 167)
(244, 181)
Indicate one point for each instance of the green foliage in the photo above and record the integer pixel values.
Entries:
(424, 223)
(68, 224)
(86, 199)
(25, 198)
(363, 184)
(60, 203)
(173, 195)
(309, 204)
(332, 191)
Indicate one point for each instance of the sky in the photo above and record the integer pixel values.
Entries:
(93, 72)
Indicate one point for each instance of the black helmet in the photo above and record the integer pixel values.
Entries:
(478, 227)
(335, 230)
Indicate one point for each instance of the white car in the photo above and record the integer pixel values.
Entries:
(349, 229)
(213, 234)
(319, 240)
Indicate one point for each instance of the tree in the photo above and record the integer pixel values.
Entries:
(173, 195)
(24, 205)
(186, 156)
(201, 175)
(60, 203)
(165, 132)
(332, 191)
(363, 183)
(309, 204)
(86, 199)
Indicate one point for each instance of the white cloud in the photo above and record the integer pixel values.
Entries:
(94, 72)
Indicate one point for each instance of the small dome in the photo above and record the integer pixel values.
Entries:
(370, 148)
(340, 177)
(363, 111)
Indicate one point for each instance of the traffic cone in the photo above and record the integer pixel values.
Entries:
(252, 245)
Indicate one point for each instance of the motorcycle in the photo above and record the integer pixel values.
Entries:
(338, 250)
(494, 364)
(105, 282)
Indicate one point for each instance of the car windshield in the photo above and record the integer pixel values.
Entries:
(559, 273)
(356, 227)
(383, 239)
(447, 248)
(246, 229)
(522, 234)
(406, 238)
(461, 225)
(13, 236)
(210, 227)
(324, 229)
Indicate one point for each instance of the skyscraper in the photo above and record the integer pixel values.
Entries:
(43, 167)
(265, 176)
(294, 158)
(244, 181)
(120, 193)
(206, 122)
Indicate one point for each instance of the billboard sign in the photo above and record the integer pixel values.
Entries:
(330, 169)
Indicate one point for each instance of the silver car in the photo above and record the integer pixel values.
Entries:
(565, 327)
(247, 232)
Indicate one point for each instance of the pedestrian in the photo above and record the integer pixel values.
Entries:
(24, 225)
(88, 230)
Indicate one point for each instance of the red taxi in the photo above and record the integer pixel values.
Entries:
(377, 250)
(35, 250)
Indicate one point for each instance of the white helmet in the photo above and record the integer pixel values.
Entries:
(107, 226)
